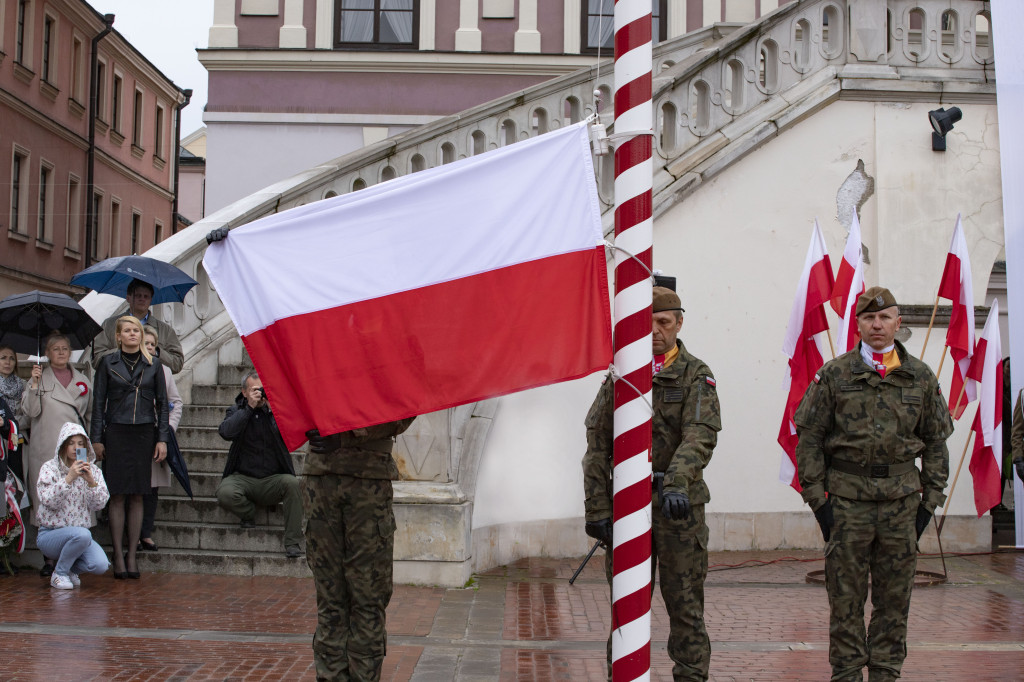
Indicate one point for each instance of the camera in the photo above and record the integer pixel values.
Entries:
(81, 454)
(263, 393)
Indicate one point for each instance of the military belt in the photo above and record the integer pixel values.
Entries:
(874, 470)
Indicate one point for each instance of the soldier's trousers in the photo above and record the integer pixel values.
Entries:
(679, 554)
(350, 540)
(875, 539)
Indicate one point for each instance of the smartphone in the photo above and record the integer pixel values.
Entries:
(81, 454)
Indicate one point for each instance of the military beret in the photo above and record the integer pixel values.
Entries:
(665, 300)
(875, 299)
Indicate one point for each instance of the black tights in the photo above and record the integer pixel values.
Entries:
(116, 512)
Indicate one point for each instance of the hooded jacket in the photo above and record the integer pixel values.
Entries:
(60, 504)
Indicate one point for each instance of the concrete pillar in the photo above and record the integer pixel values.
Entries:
(527, 38)
(324, 37)
(223, 32)
(292, 33)
(676, 18)
(712, 12)
(428, 18)
(467, 37)
(571, 40)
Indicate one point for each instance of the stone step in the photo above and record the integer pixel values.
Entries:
(221, 562)
(205, 510)
(200, 438)
(203, 415)
(214, 537)
(214, 395)
(231, 375)
(212, 461)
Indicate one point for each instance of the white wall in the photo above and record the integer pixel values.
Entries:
(244, 158)
(737, 245)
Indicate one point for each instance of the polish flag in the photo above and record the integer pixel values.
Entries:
(849, 286)
(987, 458)
(802, 345)
(957, 286)
(455, 284)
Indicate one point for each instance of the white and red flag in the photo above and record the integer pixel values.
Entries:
(802, 345)
(848, 288)
(957, 286)
(454, 284)
(987, 457)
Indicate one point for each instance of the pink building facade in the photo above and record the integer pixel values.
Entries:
(48, 138)
(295, 83)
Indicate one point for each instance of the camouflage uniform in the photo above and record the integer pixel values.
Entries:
(687, 419)
(873, 428)
(350, 549)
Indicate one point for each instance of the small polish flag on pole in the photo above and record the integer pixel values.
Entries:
(849, 286)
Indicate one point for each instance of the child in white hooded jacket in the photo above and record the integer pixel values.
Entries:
(70, 489)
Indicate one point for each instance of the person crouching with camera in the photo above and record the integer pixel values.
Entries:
(71, 488)
(259, 469)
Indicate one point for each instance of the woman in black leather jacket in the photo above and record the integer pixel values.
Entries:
(129, 428)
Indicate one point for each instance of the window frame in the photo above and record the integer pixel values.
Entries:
(21, 160)
(23, 33)
(585, 29)
(77, 89)
(73, 225)
(48, 55)
(159, 117)
(44, 217)
(375, 44)
(117, 103)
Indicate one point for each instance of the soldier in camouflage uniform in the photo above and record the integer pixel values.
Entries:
(862, 423)
(686, 423)
(350, 540)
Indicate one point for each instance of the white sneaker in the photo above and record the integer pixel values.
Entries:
(61, 582)
(75, 580)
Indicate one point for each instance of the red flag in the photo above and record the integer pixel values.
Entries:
(369, 307)
(987, 457)
(806, 320)
(849, 286)
(956, 286)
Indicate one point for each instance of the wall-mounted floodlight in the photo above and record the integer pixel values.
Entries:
(942, 121)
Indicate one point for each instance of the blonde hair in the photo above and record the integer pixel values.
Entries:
(134, 321)
(53, 338)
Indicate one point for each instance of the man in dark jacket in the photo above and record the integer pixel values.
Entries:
(259, 470)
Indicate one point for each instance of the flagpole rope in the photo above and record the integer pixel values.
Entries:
(618, 377)
(639, 262)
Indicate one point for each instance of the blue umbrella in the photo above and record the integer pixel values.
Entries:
(177, 464)
(113, 275)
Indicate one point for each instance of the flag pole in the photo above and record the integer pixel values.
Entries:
(931, 323)
(949, 497)
(634, 229)
(941, 360)
(830, 344)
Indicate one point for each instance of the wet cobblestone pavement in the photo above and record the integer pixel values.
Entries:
(517, 622)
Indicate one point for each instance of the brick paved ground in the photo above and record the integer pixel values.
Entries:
(518, 622)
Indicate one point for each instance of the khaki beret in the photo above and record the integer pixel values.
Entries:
(875, 299)
(665, 300)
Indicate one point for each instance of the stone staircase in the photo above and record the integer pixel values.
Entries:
(196, 535)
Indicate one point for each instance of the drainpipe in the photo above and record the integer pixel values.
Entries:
(90, 217)
(177, 155)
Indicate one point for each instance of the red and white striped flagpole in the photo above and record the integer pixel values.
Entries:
(634, 235)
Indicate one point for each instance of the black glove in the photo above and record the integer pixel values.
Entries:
(923, 518)
(216, 235)
(675, 506)
(1018, 464)
(600, 530)
(323, 444)
(825, 519)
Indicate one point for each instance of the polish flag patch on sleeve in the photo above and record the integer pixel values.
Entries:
(817, 378)
(711, 381)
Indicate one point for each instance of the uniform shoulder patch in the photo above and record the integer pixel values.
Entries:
(817, 378)
(711, 381)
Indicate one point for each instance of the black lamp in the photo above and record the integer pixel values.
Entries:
(942, 121)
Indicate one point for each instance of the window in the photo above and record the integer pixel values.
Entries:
(377, 24)
(136, 221)
(48, 67)
(115, 103)
(114, 248)
(22, 35)
(72, 239)
(598, 29)
(19, 192)
(158, 132)
(101, 89)
(97, 237)
(77, 68)
(44, 232)
(158, 233)
(137, 120)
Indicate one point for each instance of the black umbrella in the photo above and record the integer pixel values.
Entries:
(113, 275)
(177, 464)
(26, 318)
